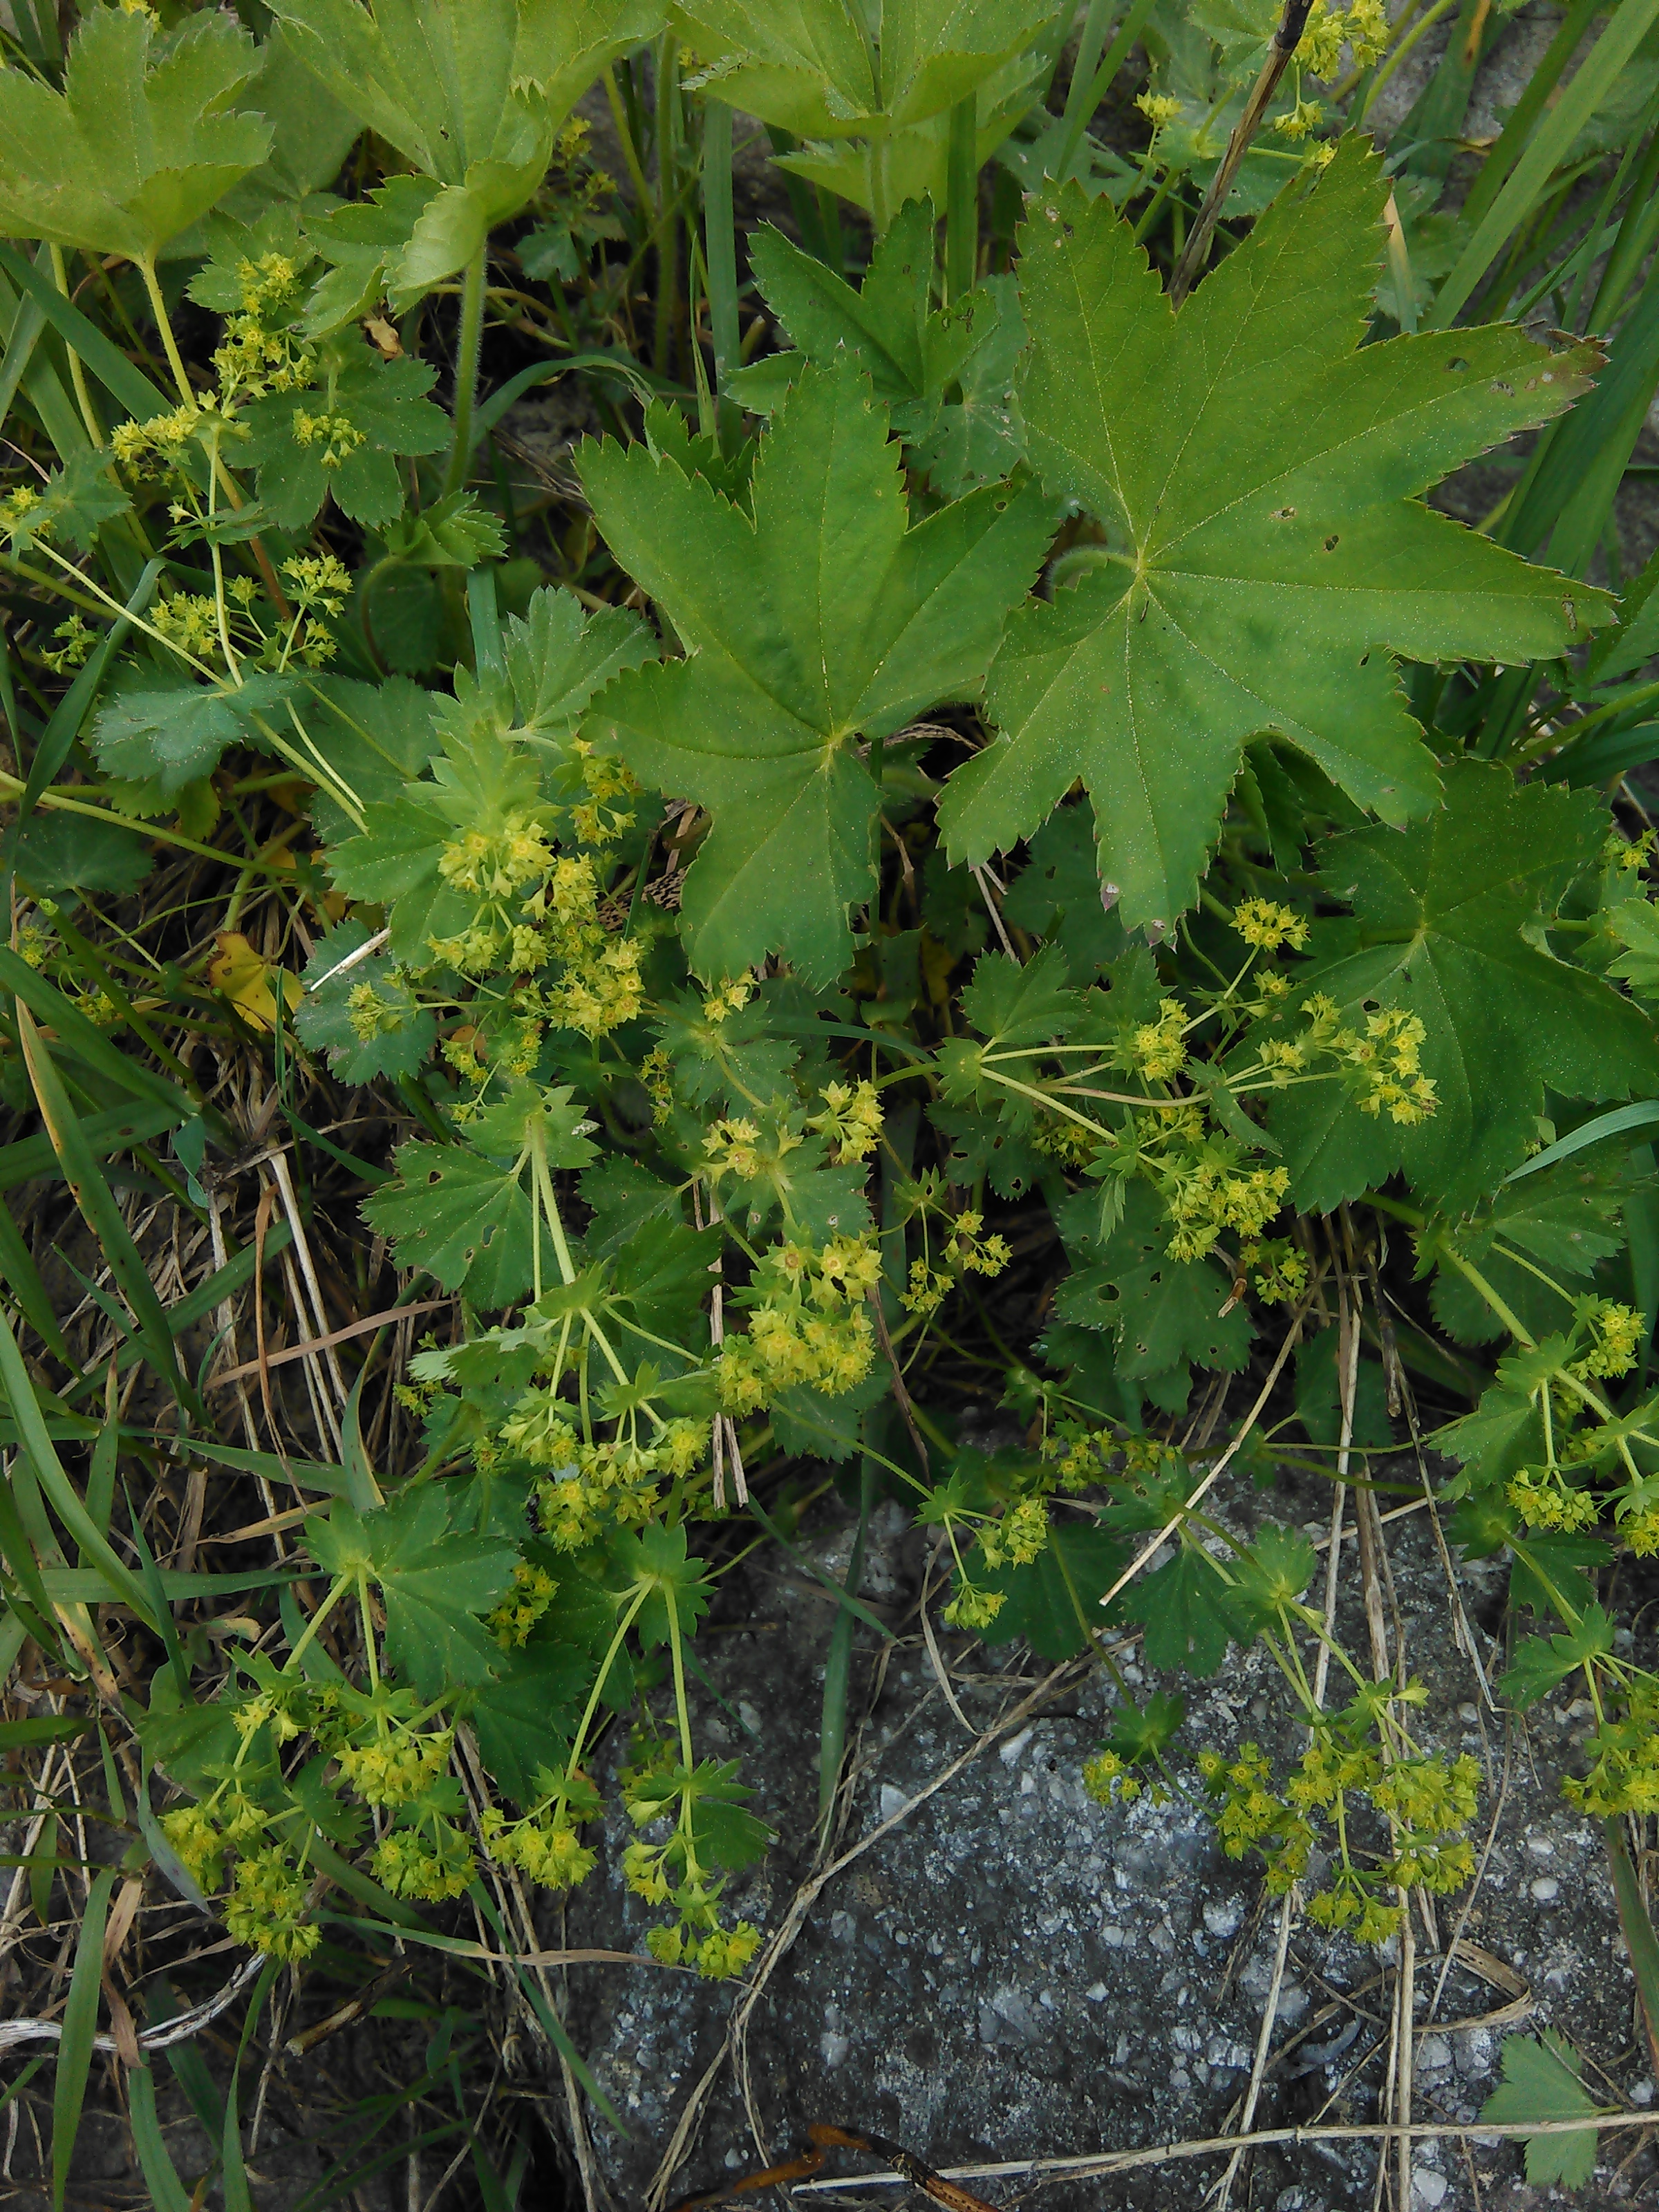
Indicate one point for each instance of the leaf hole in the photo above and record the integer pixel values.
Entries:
(1331, 543)
(1282, 513)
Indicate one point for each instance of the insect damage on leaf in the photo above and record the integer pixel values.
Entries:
(1258, 475)
(812, 631)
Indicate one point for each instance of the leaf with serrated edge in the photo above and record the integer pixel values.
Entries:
(1540, 2082)
(141, 141)
(1448, 920)
(824, 621)
(1265, 470)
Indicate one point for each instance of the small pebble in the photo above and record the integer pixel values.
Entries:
(1546, 1889)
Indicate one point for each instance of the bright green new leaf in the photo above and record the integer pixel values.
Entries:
(453, 533)
(1541, 1662)
(813, 67)
(1635, 923)
(471, 91)
(505, 761)
(1542, 2082)
(816, 629)
(142, 140)
(1447, 925)
(1257, 471)
(434, 1579)
(364, 244)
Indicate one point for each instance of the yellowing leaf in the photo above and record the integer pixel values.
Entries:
(249, 981)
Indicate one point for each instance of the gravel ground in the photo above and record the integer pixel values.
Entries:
(1010, 1972)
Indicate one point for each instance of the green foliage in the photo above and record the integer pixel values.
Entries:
(143, 139)
(815, 627)
(1005, 846)
(1263, 534)
(1542, 2082)
(1447, 926)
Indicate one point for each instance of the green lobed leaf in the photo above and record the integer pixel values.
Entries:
(1542, 2082)
(344, 438)
(824, 621)
(466, 1219)
(829, 68)
(1447, 925)
(1188, 1612)
(142, 140)
(177, 734)
(435, 1579)
(1054, 1601)
(1258, 472)
(1161, 1313)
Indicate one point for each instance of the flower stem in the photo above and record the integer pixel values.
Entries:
(466, 366)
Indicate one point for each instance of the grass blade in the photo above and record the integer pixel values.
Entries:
(166, 2192)
(48, 1472)
(80, 2026)
(96, 1201)
(1544, 153)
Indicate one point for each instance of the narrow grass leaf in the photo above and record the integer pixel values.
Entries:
(80, 2026)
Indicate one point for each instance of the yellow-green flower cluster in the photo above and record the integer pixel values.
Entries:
(1018, 1536)
(526, 1598)
(850, 1122)
(1617, 1332)
(156, 449)
(267, 1898)
(1267, 926)
(1544, 1501)
(1159, 1048)
(1205, 1192)
(614, 1482)
(966, 1251)
(433, 1862)
(1362, 28)
(395, 1768)
(973, 1608)
(807, 1326)
(544, 1845)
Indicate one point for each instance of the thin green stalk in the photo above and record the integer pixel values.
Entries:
(630, 152)
(668, 260)
(1636, 235)
(466, 366)
(77, 371)
(158, 307)
(721, 254)
(961, 200)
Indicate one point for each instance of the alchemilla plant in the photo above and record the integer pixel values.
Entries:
(992, 831)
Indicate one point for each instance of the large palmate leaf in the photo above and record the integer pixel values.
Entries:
(1257, 472)
(812, 67)
(823, 623)
(471, 91)
(140, 142)
(1447, 924)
